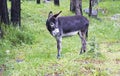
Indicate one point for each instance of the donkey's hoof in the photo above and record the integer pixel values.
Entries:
(58, 57)
(81, 52)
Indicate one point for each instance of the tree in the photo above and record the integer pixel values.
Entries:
(4, 12)
(1, 10)
(56, 2)
(72, 5)
(1, 33)
(76, 6)
(90, 8)
(15, 12)
(38, 1)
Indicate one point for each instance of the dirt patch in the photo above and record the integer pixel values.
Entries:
(90, 61)
(118, 73)
(86, 71)
(54, 74)
(117, 61)
(2, 69)
(110, 43)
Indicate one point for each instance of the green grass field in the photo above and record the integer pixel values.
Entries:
(31, 50)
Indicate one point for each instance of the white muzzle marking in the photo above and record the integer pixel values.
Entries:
(55, 32)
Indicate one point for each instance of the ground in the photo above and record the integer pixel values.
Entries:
(31, 50)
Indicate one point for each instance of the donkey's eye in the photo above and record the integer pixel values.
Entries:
(52, 24)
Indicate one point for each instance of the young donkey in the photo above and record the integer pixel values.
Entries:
(67, 26)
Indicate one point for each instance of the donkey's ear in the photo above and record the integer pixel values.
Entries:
(50, 14)
(57, 14)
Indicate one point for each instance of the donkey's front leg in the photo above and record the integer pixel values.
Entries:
(59, 46)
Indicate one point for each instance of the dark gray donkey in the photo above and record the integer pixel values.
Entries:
(60, 27)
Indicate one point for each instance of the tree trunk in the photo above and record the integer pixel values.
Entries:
(90, 8)
(1, 1)
(1, 32)
(76, 6)
(56, 2)
(72, 5)
(38, 1)
(15, 12)
(81, 7)
(4, 12)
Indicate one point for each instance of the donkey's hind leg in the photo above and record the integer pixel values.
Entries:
(83, 41)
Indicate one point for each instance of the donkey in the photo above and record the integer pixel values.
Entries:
(60, 27)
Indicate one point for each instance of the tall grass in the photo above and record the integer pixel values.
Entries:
(32, 50)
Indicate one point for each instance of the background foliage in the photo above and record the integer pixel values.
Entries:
(31, 50)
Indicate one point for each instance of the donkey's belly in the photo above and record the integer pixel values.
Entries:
(69, 34)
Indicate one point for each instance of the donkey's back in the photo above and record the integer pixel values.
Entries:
(77, 22)
(77, 19)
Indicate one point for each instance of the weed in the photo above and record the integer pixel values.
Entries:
(32, 44)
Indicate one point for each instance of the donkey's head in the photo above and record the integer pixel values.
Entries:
(52, 24)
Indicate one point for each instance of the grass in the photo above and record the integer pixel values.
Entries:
(31, 50)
